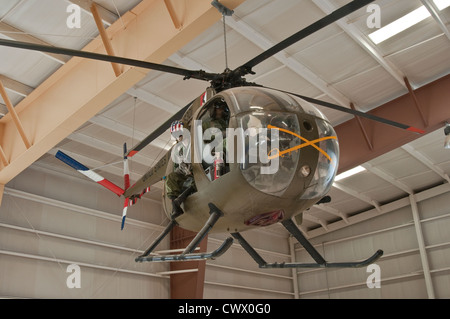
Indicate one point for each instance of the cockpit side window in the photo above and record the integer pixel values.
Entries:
(217, 115)
(214, 122)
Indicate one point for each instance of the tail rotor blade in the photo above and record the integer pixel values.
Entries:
(89, 173)
(124, 212)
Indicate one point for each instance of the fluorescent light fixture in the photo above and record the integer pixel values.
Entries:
(405, 22)
(442, 4)
(353, 171)
(399, 25)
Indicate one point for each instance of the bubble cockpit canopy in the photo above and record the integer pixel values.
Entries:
(268, 128)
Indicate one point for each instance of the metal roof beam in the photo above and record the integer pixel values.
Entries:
(422, 248)
(435, 13)
(15, 118)
(3, 109)
(360, 38)
(315, 219)
(358, 195)
(15, 86)
(107, 16)
(19, 35)
(108, 148)
(129, 132)
(258, 39)
(153, 99)
(333, 211)
(424, 160)
(388, 178)
(106, 41)
(386, 208)
(433, 99)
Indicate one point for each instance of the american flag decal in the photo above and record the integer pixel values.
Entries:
(176, 126)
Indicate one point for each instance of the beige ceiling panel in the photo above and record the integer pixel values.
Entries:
(370, 88)
(425, 61)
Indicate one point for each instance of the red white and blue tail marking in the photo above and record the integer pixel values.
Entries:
(89, 173)
(126, 177)
(104, 182)
(130, 202)
(124, 212)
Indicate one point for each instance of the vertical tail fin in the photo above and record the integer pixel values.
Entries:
(126, 171)
(126, 177)
(124, 212)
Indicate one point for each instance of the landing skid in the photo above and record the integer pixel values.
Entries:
(320, 262)
(187, 254)
(215, 214)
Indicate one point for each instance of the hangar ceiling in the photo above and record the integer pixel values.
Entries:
(339, 64)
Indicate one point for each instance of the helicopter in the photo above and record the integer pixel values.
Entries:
(281, 152)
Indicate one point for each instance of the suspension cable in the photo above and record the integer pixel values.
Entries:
(225, 42)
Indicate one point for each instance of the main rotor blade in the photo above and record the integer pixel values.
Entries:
(316, 26)
(160, 130)
(199, 75)
(355, 112)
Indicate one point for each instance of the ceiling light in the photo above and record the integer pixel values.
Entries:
(399, 25)
(447, 136)
(406, 22)
(349, 173)
(442, 4)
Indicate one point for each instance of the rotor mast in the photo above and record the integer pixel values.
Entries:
(227, 79)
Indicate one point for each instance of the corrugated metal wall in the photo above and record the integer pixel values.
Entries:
(49, 220)
(415, 264)
(236, 274)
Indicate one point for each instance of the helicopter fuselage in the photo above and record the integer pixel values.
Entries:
(281, 155)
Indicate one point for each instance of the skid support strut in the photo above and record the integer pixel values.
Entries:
(319, 260)
(187, 254)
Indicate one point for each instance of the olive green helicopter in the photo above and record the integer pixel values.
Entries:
(276, 158)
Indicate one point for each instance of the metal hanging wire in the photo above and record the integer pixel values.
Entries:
(225, 43)
(225, 12)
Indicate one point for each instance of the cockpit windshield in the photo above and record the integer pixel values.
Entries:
(249, 99)
(269, 164)
(327, 163)
(270, 138)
